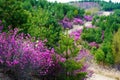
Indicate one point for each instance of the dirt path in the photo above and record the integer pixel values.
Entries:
(100, 77)
(77, 27)
(103, 73)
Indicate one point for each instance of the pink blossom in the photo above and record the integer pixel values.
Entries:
(76, 34)
(93, 44)
(77, 21)
(88, 18)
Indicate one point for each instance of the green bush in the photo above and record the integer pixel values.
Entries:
(92, 35)
(100, 55)
(107, 49)
(33, 16)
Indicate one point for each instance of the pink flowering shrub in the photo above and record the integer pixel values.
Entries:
(93, 44)
(22, 56)
(66, 24)
(78, 21)
(82, 54)
(88, 18)
(76, 34)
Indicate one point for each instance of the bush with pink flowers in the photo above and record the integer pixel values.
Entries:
(78, 21)
(23, 57)
(20, 55)
(66, 23)
(88, 18)
(76, 34)
(94, 44)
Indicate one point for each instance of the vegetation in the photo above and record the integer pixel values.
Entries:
(109, 6)
(116, 47)
(32, 16)
(106, 29)
(32, 43)
(87, 35)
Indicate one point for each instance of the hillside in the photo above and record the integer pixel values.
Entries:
(85, 5)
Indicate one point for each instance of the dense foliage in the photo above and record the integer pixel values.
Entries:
(87, 35)
(32, 16)
(34, 45)
(109, 25)
(24, 57)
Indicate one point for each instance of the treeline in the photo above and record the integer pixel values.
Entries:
(109, 6)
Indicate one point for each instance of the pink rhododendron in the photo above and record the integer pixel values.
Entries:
(77, 21)
(18, 51)
(88, 18)
(93, 44)
(25, 56)
(76, 34)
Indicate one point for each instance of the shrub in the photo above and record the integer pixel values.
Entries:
(22, 56)
(67, 24)
(100, 55)
(92, 35)
(88, 18)
(77, 21)
(25, 57)
(94, 44)
(76, 34)
(107, 49)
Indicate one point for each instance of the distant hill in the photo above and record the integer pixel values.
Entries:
(85, 5)
(107, 6)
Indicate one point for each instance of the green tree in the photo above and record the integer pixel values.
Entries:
(69, 51)
(116, 47)
(92, 35)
